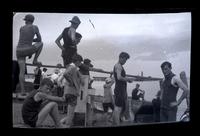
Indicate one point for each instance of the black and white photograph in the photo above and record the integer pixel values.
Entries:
(88, 70)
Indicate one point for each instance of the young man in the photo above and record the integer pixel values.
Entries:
(137, 93)
(169, 88)
(25, 47)
(120, 90)
(71, 88)
(108, 100)
(39, 103)
(71, 39)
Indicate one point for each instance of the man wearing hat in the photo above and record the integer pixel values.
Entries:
(26, 48)
(71, 38)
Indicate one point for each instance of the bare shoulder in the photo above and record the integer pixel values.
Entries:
(118, 66)
(38, 96)
(36, 29)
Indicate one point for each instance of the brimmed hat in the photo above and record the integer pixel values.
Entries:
(29, 17)
(75, 20)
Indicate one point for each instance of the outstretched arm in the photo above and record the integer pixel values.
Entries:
(43, 96)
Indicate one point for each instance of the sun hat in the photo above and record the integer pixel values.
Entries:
(75, 20)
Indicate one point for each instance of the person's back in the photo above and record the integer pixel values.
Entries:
(27, 33)
(30, 109)
(66, 38)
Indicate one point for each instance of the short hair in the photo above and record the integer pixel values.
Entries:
(78, 35)
(46, 81)
(44, 69)
(166, 63)
(124, 55)
(137, 84)
(77, 57)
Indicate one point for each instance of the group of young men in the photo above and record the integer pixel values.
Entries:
(40, 102)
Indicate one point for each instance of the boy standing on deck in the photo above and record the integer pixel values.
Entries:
(71, 88)
(108, 100)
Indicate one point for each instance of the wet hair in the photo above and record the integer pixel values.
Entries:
(77, 57)
(124, 55)
(166, 63)
(46, 81)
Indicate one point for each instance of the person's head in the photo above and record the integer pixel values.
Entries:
(123, 56)
(78, 37)
(44, 69)
(166, 68)
(77, 59)
(87, 62)
(75, 22)
(29, 19)
(46, 85)
(137, 86)
(59, 65)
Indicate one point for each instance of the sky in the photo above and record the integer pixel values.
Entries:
(150, 39)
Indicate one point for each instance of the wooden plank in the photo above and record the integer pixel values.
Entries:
(82, 99)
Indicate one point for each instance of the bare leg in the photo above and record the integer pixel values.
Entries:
(39, 46)
(21, 63)
(50, 108)
(70, 115)
(116, 114)
(55, 115)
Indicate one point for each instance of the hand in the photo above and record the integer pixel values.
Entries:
(173, 104)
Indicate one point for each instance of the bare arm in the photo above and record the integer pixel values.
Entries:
(119, 77)
(43, 96)
(95, 69)
(185, 93)
(58, 42)
(38, 39)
